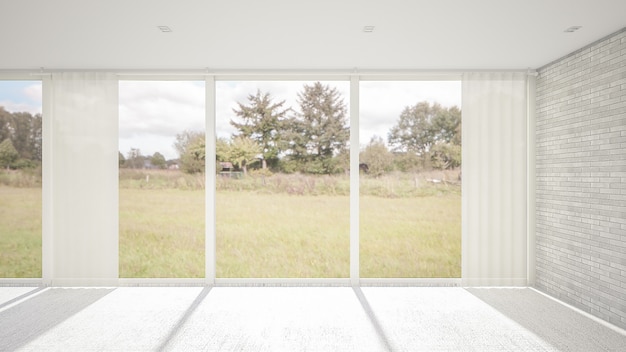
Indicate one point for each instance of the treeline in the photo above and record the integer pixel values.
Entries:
(425, 137)
(135, 160)
(20, 139)
(313, 138)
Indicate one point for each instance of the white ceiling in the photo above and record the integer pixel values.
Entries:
(298, 34)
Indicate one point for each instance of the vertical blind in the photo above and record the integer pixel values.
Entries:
(82, 174)
(83, 170)
(494, 179)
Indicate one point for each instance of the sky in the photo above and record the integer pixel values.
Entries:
(152, 113)
(21, 96)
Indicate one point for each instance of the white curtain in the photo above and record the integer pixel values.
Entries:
(494, 179)
(82, 166)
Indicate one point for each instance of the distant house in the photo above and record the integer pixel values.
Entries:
(227, 169)
(226, 166)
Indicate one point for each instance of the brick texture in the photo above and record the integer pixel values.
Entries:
(581, 179)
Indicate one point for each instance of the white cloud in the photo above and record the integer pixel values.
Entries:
(152, 113)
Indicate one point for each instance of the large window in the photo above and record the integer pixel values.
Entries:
(282, 205)
(282, 197)
(282, 194)
(161, 168)
(20, 179)
(410, 179)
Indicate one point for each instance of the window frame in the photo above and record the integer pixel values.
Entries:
(210, 78)
(45, 186)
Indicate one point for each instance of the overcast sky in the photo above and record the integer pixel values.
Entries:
(153, 112)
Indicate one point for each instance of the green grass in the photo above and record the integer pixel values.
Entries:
(279, 235)
(280, 226)
(20, 232)
(161, 233)
(410, 237)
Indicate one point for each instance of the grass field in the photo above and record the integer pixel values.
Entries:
(279, 235)
(161, 233)
(20, 232)
(260, 232)
(410, 237)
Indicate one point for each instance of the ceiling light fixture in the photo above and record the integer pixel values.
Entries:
(368, 29)
(164, 29)
(572, 29)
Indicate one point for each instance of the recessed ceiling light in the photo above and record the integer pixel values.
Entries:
(164, 29)
(572, 29)
(368, 29)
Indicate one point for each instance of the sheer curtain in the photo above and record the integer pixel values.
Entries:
(494, 179)
(81, 168)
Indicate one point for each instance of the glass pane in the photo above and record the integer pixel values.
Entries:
(410, 179)
(162, 210)
(20, 179)
(282, 197)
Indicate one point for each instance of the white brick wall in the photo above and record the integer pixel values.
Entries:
(581, 179)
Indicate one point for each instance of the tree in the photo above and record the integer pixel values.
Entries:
(243, 150)
(456, 140)
(377, 157)
(22, 134)
(158, 160)
(121, 159)
(413, 131)
(446, 125)
(8, 153)
(186, 138)
(446, 156)
(7, 127)
(193, 161)
(25, 132)
(135, 160)
(190, 146)
(222, 149)
(421, 128)
(262, 122)
(36, 139)
(318, 132)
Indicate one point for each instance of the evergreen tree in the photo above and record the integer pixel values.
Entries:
(318, 132)
(262, 121)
